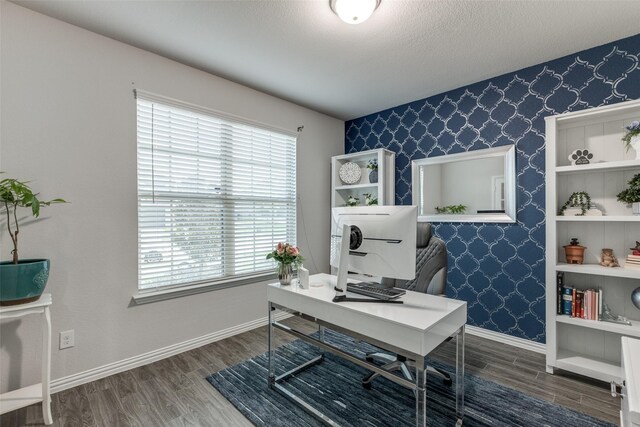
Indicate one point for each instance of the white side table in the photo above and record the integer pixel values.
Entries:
(29, 395)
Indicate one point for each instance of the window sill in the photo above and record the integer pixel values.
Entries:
(154, 295)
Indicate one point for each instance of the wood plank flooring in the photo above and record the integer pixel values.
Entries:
(173, 392)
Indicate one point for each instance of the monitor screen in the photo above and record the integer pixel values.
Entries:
(382, 240)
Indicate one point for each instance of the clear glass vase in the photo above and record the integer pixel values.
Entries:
(285, 274)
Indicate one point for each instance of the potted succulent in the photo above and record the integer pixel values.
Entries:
(631, 195)
(21, 280)
(352, 201)
(632, 137)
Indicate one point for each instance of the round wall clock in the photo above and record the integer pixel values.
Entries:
(350, 173)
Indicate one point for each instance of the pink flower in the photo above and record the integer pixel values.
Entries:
(294, 251)
(280, 248)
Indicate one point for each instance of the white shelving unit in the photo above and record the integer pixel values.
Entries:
(589, 347)
(28, 395)
(384, 189)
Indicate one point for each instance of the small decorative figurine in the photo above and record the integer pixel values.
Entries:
(607, 259)
(636, 250)
(574, 252)
(580, 157)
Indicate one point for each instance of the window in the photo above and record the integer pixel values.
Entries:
(214, 194)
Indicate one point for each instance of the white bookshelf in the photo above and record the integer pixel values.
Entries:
(590, 347)
(384, 189)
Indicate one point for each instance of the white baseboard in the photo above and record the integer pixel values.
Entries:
(506, 339)
(162, 353)
(155, 355)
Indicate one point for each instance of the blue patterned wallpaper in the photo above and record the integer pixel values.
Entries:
(499, 268)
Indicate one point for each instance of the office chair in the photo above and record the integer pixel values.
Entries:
(431, 278)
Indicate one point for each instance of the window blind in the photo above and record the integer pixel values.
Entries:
(214, 195)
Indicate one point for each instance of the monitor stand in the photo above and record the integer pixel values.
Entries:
(343, 270)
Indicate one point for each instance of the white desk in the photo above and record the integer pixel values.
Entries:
(412, 329)
(26, 396)
(630, 395)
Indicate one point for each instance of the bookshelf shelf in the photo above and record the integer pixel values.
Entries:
(590, 347)
(356, 186)
(630, 331)
(612, 218)
(629, 273)
(593, 367)
(603, 166)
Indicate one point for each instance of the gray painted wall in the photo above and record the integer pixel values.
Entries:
(68, 124)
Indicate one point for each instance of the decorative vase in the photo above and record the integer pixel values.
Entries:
(635, 297)
(574, 252)
(23, 282)
(373, 177)
(635, 144)
(285, 274)
(635, 208)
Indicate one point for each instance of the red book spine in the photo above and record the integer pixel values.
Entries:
(573, 304)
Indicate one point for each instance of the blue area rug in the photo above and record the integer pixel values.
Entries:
(334, 387)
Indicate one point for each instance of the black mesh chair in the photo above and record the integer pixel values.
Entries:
(431, 278)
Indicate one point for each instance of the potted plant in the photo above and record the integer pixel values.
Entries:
(372, 165)
(287, 256)
(370, 199)
(631, 195)
(21, 280)
(579, 199)
(632, 137)
(352, 201)
(451, 209)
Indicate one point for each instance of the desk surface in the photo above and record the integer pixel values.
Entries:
(417, 326)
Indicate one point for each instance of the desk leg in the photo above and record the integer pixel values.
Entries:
(460, 376)
(46, 367)
(271, 350)
(421, 393)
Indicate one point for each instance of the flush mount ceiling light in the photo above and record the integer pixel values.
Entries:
(354, 11)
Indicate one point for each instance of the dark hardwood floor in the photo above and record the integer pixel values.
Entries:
(174, 392)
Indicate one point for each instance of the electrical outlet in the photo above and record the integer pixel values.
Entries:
(66, 339)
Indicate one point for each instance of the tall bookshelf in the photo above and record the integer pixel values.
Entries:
(589, 347)
(384, 189)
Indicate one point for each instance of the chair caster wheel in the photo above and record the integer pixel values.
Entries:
(447, 382)
(366, 386)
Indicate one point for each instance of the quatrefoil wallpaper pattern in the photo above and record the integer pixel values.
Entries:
(499, 268)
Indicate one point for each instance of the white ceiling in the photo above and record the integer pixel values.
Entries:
(300, 51)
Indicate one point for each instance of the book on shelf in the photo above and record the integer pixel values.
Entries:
(633, 261)
(567, 300)
(559, 286)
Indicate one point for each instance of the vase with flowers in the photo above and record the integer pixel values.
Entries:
(286, 256)
(372, 165)
(632, 137)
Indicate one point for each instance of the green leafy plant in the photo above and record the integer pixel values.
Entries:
(16, 194)
(632, 193)
(452, 209)
(579, 199)
(370, 199)
(632, 130)
(373, 164)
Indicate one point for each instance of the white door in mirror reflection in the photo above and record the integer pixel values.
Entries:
(498, 192)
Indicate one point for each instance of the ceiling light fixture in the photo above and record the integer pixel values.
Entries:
(354, 11)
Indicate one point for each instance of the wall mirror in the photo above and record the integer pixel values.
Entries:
(476, 186)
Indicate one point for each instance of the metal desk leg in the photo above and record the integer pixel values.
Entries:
(46, 366)
(271, 379)
(460, 376)
(421, 393)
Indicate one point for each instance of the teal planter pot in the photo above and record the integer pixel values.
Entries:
(23, 282)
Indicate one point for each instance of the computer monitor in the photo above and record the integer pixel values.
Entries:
(381, 242)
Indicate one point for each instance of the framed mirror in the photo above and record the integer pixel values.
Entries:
(476, 186)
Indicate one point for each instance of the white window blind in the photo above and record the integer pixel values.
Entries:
(214, 195)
